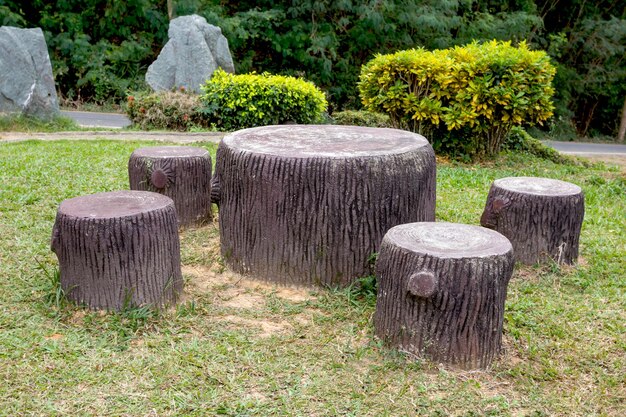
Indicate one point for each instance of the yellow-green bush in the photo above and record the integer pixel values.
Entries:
(239, 101)
(464, 99)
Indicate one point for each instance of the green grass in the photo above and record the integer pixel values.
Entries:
(239, 348)
(20, 123)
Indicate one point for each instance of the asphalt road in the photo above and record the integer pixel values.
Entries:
(114, 120)
(583, 148)
(91, 119)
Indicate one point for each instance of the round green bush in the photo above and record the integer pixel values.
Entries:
(232, 102)
(464, 99)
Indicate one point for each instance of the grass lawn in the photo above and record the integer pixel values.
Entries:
(236, 347)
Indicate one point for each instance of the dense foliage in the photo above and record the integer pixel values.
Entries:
(230, 102)
(233, 102)
(465, 99)
(100, 48)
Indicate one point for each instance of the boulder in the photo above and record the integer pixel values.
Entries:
(26, 81)
(195, 49)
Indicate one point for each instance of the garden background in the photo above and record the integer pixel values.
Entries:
(100, 49)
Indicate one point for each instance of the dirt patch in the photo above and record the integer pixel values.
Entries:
(238, 291)
(243, 300)
(266, 328)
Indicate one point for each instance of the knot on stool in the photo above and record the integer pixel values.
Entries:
(422, 284)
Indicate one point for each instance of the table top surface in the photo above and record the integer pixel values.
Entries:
(329, 141)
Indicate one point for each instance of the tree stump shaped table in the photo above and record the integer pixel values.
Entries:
(182, 173)
(308, 205)
(441, 291)
(118, 249)
(541, 217)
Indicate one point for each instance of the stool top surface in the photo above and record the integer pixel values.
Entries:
(538, 186)
(329, 141)
(114, 204)
(449, 240)
(169, 152)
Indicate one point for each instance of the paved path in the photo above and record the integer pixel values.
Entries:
(601, 151)
(177, 137)
(587, 149)
(116, 120)
(93, 119)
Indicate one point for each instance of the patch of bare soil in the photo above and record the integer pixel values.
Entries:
(235, 291)
(266, 328)
(238, 291)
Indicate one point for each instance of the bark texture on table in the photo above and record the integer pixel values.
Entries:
(441, 292)
(118, 249)
(308, 205)
(541, 217)
(182, 173)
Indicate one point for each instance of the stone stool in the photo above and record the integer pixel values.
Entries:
(118, 249)
(541, 217)
(182, 173)
(308, 205)
(441, 291)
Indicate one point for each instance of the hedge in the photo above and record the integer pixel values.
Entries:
(233, 102)
(465, 99)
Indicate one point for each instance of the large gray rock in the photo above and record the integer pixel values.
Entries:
(194, 51)
(26, 81)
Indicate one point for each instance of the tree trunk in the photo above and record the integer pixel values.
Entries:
(308, 205)
(541, 217)
(182, 173)
(118, 249)
(171, 12)
(441, 291)
(622, 125)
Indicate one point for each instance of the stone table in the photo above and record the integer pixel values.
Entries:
(309, 205)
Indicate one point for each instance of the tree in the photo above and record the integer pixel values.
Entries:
(587, 40)
(170, 9)
(622, 125)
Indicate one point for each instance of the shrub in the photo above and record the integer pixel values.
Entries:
(233, 102)
(361, 118)
(175, 110)
(476, 93)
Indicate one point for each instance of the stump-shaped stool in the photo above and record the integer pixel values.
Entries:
(308, 205)
(182, 173)
(541, 217)
(118, 249)
(441, 291)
